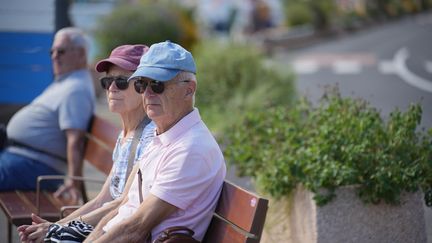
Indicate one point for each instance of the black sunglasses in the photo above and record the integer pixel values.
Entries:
(60, 51)
(157, 87)
(120, 81)
(141, 84)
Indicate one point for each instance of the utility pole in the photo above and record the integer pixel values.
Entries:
(62, 14)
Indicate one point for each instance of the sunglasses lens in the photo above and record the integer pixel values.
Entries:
(59, 51)
(106, 82)
(121, 83)
(140, 86)
(157, 87)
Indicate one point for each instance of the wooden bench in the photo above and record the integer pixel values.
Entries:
(18, 205)
(239, 216)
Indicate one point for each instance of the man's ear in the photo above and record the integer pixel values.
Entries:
(190, 90)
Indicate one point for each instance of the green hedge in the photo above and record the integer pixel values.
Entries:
(340, 142)
(233, 79)
(145, 23)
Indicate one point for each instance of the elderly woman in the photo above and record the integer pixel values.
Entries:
(137, 133)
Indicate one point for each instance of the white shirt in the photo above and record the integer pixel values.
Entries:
(185, 167)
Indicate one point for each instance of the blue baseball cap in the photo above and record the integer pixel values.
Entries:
(163, 61)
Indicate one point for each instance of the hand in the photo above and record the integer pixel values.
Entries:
(70, 192)
(35, 232)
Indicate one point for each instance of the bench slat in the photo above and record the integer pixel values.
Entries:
(100, 144)
(48, 209)
(98, 157)
(104, 131)
(221, 232)
(16, 210)
(243, 213)
(19, 205)
(240, 206)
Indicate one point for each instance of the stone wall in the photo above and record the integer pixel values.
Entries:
(345, 219)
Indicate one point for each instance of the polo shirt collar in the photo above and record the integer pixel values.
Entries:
(180, 127)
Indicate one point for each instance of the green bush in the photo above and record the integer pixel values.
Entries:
(298, 14)
(318, 14)
(145, 23)
(342, 141)
(234, 79)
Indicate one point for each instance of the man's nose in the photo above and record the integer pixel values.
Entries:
(148, 91)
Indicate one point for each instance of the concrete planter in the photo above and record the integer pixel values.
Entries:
(345, 219)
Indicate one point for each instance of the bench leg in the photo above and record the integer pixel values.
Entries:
(9, 233)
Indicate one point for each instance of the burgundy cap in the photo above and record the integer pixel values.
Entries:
(125, 56)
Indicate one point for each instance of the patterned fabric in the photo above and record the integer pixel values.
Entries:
(121, 156)
(74, 231)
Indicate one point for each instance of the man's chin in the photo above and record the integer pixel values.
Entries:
(56, 71)
(152, 114)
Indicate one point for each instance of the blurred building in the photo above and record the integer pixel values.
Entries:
(233, 17)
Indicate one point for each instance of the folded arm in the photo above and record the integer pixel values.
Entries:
(151, 212)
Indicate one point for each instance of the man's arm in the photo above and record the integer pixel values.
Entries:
(151, 212)
(75, 153)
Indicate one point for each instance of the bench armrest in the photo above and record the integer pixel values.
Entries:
(67, 208)
(59, 177)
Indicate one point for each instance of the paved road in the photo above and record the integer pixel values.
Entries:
(390, 65)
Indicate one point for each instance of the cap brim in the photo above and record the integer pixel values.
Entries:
(103, 65)
(155, 73)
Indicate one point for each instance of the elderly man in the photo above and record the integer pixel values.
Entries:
(179, 180)
(47, 136)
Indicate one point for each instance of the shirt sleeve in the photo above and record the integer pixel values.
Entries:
(75, 111)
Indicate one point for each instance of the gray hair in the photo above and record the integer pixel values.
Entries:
(181, 76)
(76, 36)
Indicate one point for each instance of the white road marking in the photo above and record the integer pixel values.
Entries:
(305, 66)
(346, 67)
(339, 64)
(402, 70)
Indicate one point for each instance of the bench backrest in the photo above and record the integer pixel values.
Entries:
(101, 140)
(239, 216)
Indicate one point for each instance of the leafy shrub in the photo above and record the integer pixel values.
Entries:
(297, 14)
(340, 142)
(316, 13)
(233, 79)
(146, 23)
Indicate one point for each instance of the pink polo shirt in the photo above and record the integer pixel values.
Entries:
(185, 167)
